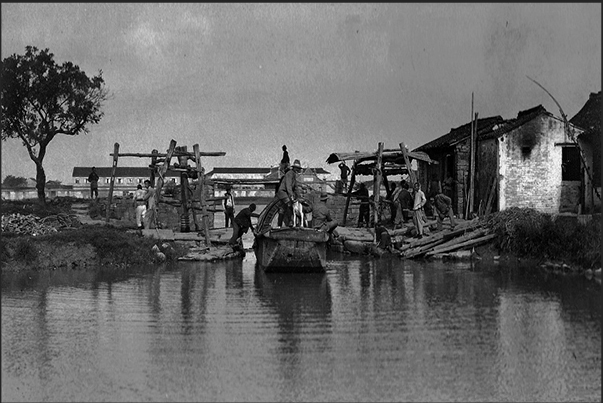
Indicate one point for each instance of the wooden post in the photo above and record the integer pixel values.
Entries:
(377, 185)
(470, 204)
(110, 199)
(200, 172)
(349, 195)
(411, 174)
(153, 166)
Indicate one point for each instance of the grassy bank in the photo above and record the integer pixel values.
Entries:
(30, 240)
(526, 232)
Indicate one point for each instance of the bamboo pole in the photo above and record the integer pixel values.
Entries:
(114, 167)
(200, 172)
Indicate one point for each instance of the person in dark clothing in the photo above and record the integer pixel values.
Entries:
(93, 179)
(241, 224)
(384, 239)
(289, 191)
(285, 161)
(322, 217)
(443, 209)
(406, 201)
(345, 170)
(364, 212)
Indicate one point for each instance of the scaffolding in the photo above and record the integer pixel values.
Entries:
(191, 200)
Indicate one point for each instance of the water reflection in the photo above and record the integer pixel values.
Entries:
(378, 330)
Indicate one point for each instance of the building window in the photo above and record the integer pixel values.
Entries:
(120, 181)
(107, 180)
(570, 164)
(525, 152)
(77, 181)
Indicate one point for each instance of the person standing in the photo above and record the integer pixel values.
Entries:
(288, 191)
(345, 170)
(93, 179)
(364, 212)
(284, 166)
(443, 208)
(151, 203)
(322, 216)
(228, 208)
(417, 216)
(241, 224)
(139, 204)
(406, 201)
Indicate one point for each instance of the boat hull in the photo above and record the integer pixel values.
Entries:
(292, 249)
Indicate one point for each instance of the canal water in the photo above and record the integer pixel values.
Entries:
(366, 330)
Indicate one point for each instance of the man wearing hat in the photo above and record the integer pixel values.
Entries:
(322, 217)
(288, 191)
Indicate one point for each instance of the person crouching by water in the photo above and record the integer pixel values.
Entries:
(417, 216)
(443, 209)
(322, 216)
(140, 206)
(288, 192)
(241, 224)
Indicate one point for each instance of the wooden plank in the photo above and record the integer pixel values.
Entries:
(200, 172)
(491, 194)
(410, 253)
(473, 242)
(114, 167)
(463, 238)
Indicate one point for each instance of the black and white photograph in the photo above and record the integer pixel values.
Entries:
(300, 202)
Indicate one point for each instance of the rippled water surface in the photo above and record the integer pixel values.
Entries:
(367, 330)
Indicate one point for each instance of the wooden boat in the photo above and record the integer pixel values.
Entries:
(291, 249)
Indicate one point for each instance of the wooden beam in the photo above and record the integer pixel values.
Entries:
(377, 179)
(110, 199)
(200, 174)
(176, 154)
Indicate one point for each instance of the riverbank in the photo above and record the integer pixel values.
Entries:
(36, 237)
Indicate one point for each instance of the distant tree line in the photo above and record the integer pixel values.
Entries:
(11, 182)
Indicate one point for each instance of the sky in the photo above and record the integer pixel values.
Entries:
(247, 78)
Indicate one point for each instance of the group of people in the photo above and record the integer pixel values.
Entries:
(407, 204)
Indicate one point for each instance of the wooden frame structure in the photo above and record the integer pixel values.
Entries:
(160, 164)
(381, 164)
